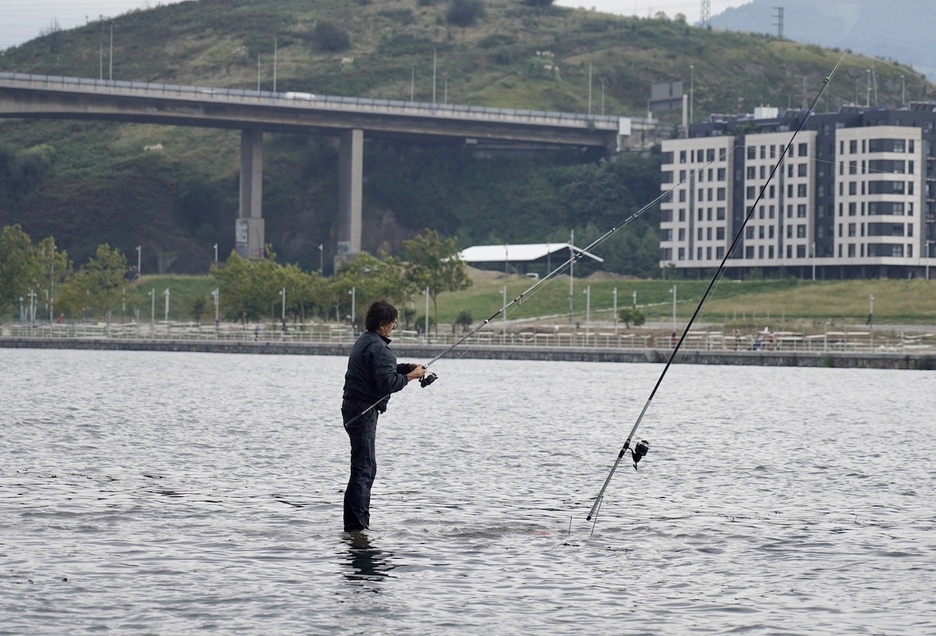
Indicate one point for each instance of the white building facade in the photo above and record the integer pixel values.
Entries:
(852, 198)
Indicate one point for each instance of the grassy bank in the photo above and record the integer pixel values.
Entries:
(778, 304)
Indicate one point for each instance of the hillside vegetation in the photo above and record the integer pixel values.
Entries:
(173, 191)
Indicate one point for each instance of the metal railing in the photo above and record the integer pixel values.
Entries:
(332, 333)
(308, 100)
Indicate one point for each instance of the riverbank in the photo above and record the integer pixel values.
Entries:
(419, 351)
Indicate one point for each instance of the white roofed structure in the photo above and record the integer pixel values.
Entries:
(524, 254)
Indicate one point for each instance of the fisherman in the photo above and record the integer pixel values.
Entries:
(373, 375)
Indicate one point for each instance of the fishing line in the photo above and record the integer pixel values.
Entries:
(641, 448)
(576, 255)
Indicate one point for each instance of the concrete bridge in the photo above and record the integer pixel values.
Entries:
(254, 112)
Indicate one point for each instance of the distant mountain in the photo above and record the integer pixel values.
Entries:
(898, 30)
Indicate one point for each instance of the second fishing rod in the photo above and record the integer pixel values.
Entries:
(640, 450)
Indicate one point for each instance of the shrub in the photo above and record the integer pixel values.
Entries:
(330, 39)
(465, 13)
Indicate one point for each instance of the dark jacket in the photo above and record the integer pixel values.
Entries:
(373, 373)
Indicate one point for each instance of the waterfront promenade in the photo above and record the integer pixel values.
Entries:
(848, 349)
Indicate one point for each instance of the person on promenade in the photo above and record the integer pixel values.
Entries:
(373, 375)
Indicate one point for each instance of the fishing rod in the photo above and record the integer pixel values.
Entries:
(641, 448)
(429, 378)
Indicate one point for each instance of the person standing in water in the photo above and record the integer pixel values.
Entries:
(373, 375)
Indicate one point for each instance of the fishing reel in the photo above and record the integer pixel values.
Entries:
(428, 379)
(639, 451)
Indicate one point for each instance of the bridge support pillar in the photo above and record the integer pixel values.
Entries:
(249, 240)
(350, 194)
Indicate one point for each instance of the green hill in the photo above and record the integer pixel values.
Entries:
(87, 183)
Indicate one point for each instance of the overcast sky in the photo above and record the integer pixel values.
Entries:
(21, 20)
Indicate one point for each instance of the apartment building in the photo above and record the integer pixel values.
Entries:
(852, 197)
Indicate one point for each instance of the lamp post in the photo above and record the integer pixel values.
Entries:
(152, 295)
(615, 317)
(216, 252)
(571, 271)
(673, 291)
(166, 294)
(427, 314)
(691, 90)
(322, 259)
(814, 260)
(216, 295)
(353, 293)
(139, 249)
(504, 315)
(587, 313)
(928, 243)
(283, 311)
(32, 307)
(21, 311)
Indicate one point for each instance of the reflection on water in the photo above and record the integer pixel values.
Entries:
(366, 562)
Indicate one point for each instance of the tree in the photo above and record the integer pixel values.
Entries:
(97, 286)
(16, 252)
(434, 263)
(371, 279)
(630, 315)
(249, 287)
(25, 267)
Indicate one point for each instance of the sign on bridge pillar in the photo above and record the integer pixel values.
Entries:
(350, 197)
(249, 238)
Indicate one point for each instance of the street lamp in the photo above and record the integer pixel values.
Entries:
(353, 293)
(615, 317)
(587, 313)
(166, 294)
(21, 311)
(216, 294)
(152, 295)
(673, 291)
(139, 249)
(504, 315)
(216, 252)
(814, 260)
(322, 259)
(691, 90)
(282, 293)
(427, 313)
(32, 307)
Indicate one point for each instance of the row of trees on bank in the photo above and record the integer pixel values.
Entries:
(247, 289)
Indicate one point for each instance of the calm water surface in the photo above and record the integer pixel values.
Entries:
(183, 493)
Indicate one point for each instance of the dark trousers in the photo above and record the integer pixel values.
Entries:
(363, 435)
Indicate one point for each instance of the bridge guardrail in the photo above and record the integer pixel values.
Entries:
(400, 107)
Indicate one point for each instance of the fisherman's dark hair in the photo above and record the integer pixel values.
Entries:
(378, 313)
